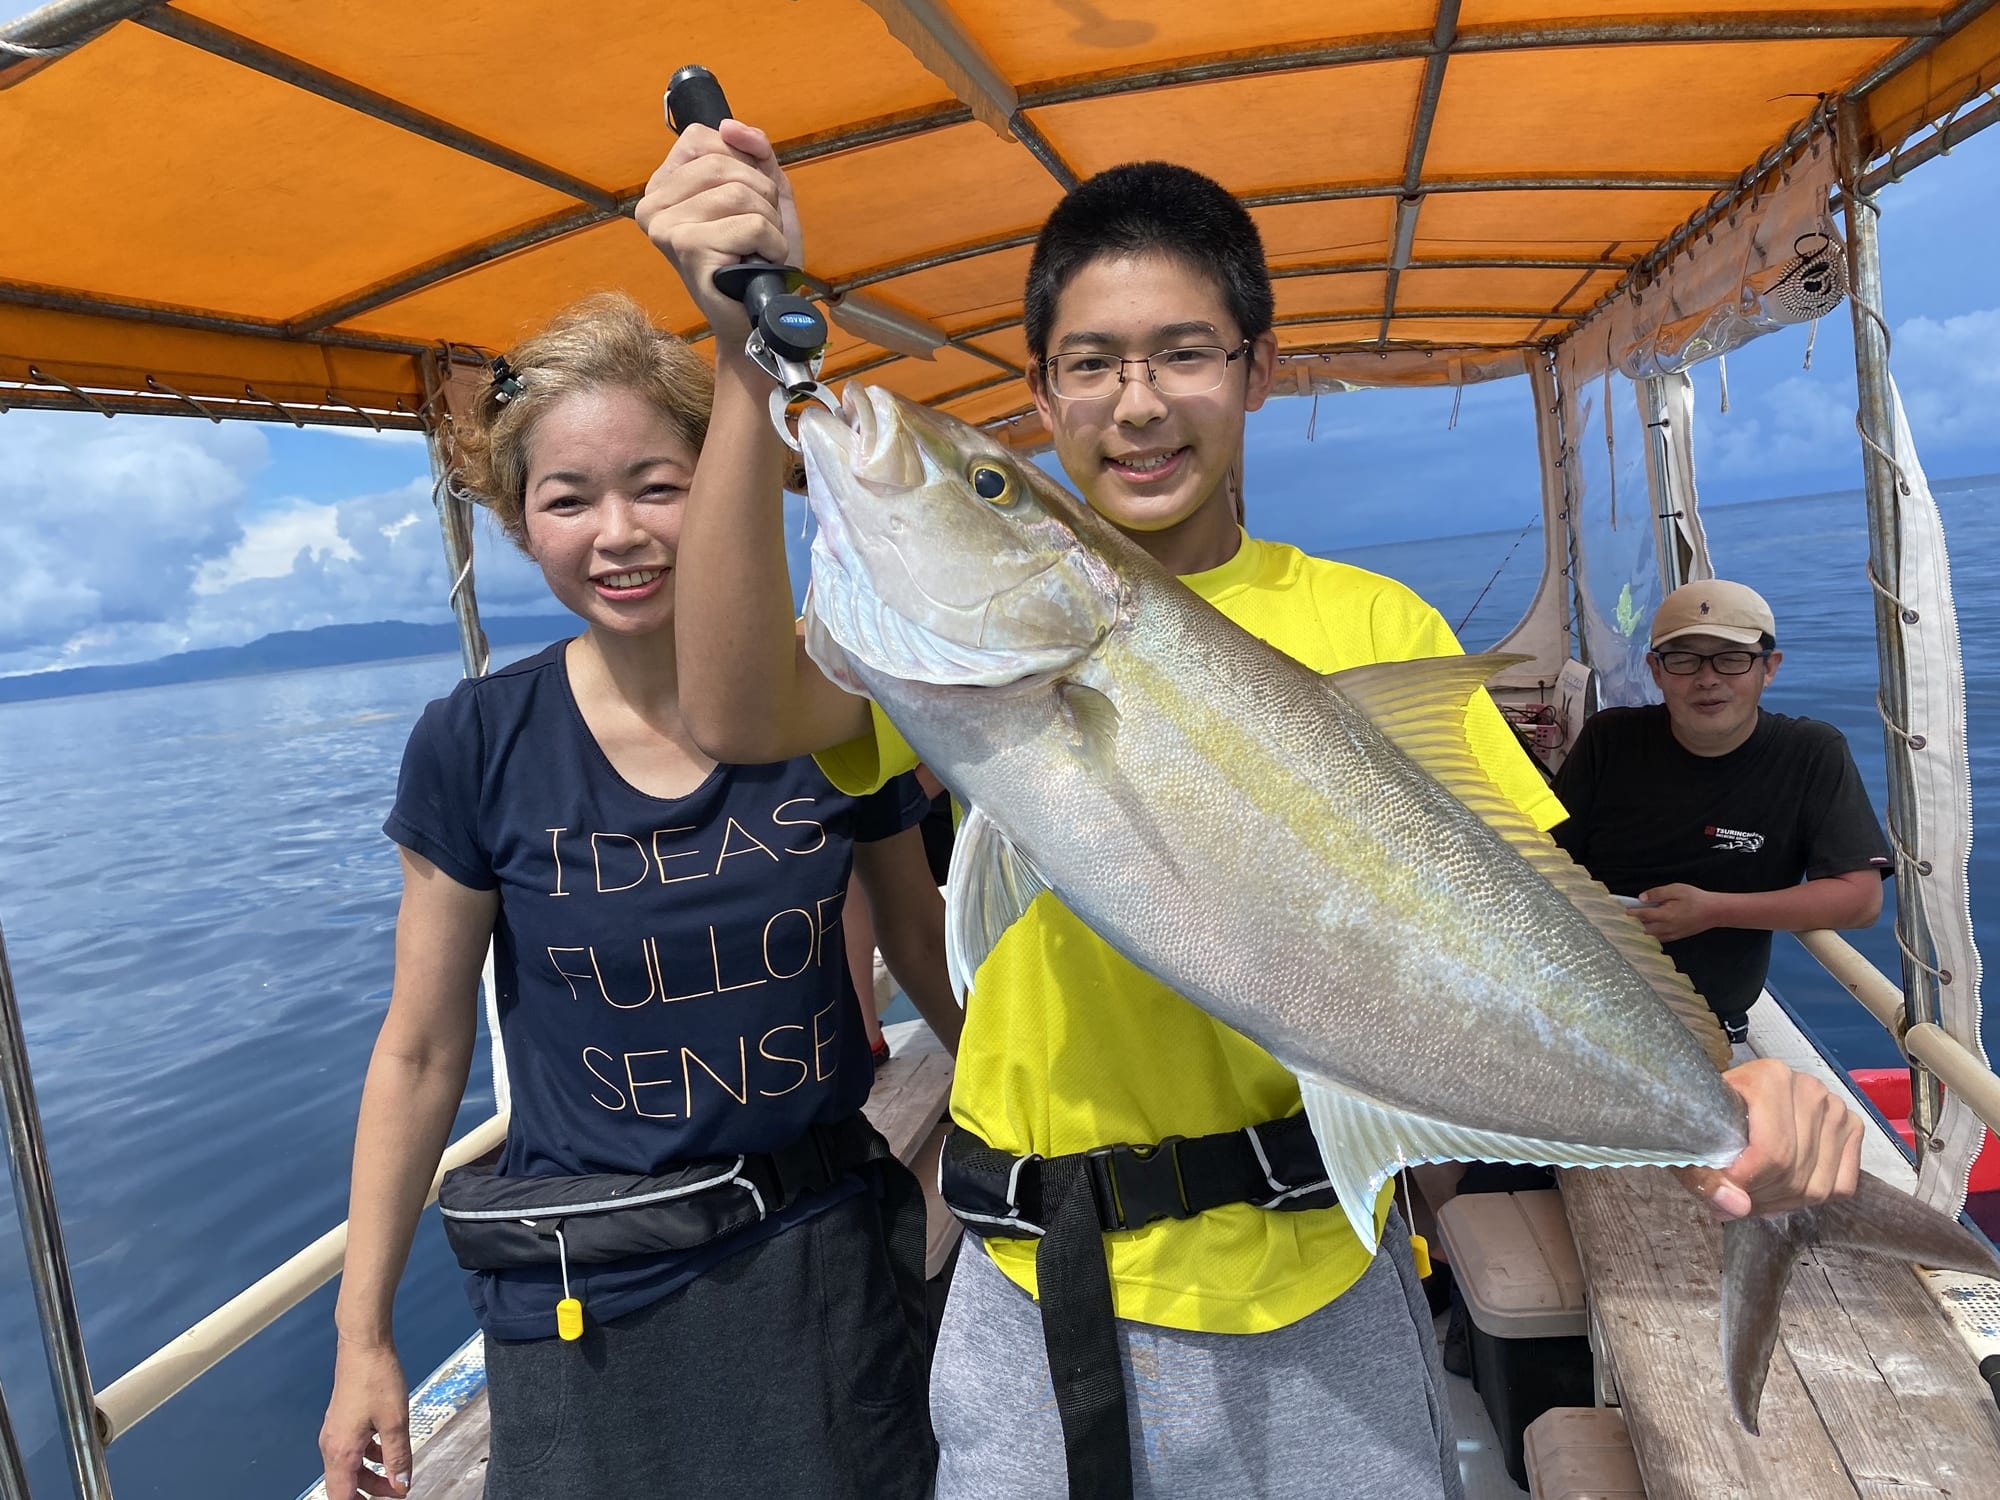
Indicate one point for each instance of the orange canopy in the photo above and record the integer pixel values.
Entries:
(246, 206)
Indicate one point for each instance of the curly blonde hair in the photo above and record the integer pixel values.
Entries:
(603, 342)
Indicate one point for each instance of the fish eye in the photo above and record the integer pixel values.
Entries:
(991, 484)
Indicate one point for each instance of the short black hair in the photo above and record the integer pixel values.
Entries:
(1142, 208)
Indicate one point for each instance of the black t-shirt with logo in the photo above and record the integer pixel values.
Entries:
(1785, 805)
(671, 972)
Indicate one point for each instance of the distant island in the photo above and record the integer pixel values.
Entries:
(287, 651)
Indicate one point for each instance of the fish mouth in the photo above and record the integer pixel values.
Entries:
(880, 454)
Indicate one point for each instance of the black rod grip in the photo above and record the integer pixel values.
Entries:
(695, 98)
(788, 323)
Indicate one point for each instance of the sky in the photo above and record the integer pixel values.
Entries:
(129, 539)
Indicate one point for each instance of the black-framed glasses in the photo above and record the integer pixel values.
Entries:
(1728, 663)
(1191, 370)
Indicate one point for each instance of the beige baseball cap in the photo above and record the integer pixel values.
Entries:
(1727, 611)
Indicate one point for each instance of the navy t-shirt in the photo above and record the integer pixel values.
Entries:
(1785, 805)
(671, 972)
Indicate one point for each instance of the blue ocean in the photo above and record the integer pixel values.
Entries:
(198, 906)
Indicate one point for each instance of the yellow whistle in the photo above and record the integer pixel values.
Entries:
(569, 1320)
(1420, 1251)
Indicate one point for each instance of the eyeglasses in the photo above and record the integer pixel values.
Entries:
(1191, 371)
(1728, 663)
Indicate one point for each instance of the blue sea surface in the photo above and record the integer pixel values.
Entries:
(198, 906)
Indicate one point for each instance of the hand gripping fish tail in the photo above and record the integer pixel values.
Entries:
(1383, 915)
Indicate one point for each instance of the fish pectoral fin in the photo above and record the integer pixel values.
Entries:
(1363, 1141)
(1093, 723)
(1421, 706)
(989, 888)
(1760, 1252)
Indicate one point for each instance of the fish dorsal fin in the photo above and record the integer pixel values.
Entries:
(989, 888)
(1362, 1141)
(1421, 707)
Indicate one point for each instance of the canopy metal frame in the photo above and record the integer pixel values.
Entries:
(982, 93)
(1884, 491)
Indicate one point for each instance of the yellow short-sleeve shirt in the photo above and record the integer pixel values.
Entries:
(1068, 1046)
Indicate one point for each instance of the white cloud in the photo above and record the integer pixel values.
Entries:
(1950, 382)
(271, 545)
(128, 540)
(1796, 427)
(106, 524)
(396, 436)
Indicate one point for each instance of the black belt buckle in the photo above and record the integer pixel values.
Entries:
(1136, 1185)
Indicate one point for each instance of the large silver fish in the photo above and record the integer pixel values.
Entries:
(1319, 862)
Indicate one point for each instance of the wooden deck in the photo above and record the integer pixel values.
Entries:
(1871, 1394)
(906, 1105)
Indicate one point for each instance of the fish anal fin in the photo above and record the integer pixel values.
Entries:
(1420, 706)
(1362, 1141)
(989, 888)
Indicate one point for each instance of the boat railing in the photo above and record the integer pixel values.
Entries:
(1925, 1043)
(182, 1360)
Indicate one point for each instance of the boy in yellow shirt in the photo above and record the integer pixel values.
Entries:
(1258, 1348)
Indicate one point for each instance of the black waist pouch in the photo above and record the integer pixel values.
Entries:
(496, 1223)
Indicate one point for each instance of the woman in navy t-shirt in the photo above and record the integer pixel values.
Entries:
(672, 986)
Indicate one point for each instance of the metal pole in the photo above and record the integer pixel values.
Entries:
(48, 1268)
(1559, 495)
(455, 523)
(454, 514)
(13, 1473)
(1883, 487)
(1668, 539)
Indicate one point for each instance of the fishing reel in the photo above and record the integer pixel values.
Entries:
(787, 331)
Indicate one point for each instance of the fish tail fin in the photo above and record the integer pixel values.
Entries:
(1760, 1252)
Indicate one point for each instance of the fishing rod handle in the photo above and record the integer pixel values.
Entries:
(787, 323)
(695, 98)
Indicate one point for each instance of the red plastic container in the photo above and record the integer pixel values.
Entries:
(1888, 1089)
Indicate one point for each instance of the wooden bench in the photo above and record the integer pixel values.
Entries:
(907, 1104)
(1871, 1394)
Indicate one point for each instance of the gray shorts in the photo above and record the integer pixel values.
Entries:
(1348, 1402)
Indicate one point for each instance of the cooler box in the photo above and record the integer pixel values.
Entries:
(1582, 1453)
(1514, 1265)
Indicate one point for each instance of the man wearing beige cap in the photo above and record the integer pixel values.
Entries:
(1727, 822)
